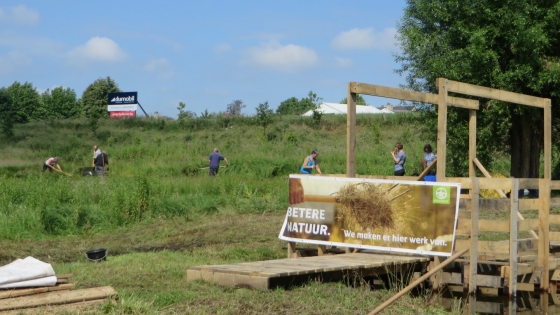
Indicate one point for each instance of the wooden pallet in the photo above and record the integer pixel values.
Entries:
(265, 275)
(60, 297)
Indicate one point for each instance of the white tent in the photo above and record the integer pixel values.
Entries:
(336, 108)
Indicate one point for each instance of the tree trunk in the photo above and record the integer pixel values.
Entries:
(526, 144)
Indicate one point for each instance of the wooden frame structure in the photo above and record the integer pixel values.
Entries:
(519, 264)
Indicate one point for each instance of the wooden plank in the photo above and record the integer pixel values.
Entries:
(495, 183)
(495, 94)
(528, 225)
(65, 276)
(408, 95)
(243, 281)
(497, 247)
(554, 236)
(481, 307)
(481, 280)
(512, 279)
(351, 133)
(6, 294)
(71, 308)
(504, 204)
(554, 219)
(60, 297)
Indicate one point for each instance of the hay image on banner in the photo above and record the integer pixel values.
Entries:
(389, 215)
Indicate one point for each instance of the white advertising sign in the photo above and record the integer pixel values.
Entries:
(120, 108)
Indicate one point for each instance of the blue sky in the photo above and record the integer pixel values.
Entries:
(203, 53)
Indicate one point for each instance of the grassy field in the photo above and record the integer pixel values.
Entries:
(158, 212)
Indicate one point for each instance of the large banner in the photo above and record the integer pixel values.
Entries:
(389, 215)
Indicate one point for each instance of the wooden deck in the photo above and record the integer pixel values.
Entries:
(265, 275)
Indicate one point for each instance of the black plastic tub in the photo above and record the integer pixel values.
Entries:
(96, 255)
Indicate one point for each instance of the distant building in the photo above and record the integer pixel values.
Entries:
(337, 108)
(398, 109)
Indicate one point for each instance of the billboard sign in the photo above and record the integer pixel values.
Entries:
(123, 114)
(388, 215)
(122, 98)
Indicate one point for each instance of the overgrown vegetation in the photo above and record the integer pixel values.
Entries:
(158, 212)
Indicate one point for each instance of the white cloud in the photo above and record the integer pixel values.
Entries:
(367, 38)
(284, 58)
(19, 15)
(159, 66)
(223, 47)
(13, 60)
(343, 62)
(97, 49)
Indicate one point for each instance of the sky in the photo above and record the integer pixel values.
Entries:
(205, 54)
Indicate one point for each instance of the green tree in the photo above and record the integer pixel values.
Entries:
(359, 100)
(61, 103)
(505, 44)
(264, 115)
(94, 98)
(185, 114)
(7, 114)
(26, 102)
(293, 106)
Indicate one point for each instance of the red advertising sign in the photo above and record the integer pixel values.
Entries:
(123, 114)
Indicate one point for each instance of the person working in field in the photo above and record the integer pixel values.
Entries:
(214, 162)
(428, 159)
(310, 163)
(96, 152)
(50, 164)
(399, 157)
(100, 162)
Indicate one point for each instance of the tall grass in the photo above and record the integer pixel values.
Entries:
(156, 167)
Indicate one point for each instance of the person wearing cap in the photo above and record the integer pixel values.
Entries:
(214, 162)
(310, 163)
(50, 164)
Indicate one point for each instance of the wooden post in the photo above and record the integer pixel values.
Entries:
(474, 235)
(441, 84)
(351, 133)
(292, 253)
(473, 264)
(544, 242)
(472, 145)
(512, 279)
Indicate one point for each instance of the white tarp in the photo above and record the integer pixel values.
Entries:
(336, 108)
(28, 272)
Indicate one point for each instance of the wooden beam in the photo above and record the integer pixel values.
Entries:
(442, 128)
(495, 94)
(351, 133)
(408, 95)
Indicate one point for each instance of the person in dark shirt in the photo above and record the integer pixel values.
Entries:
(101, 162)
(214, 162)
